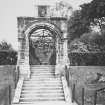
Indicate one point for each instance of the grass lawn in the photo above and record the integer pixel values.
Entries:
(6, 79)
(83, 76)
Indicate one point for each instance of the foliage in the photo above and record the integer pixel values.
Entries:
(5, 46)
(95, 12)
(8, 56)
(88, 42)
(87, 59)
(94, 9)
(77, 25)
(90, 15)
(94, 41)
(89, 49)
(78, 46)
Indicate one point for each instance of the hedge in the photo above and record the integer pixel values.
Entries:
(8, 58)
(87, 59)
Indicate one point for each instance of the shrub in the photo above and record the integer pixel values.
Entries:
(8, 57)
(87, 59)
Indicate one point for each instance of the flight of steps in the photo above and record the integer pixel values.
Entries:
(42, 86)
(44, 60)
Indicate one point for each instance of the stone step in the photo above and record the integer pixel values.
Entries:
(43, 75)
(42, 88)
(42, 85)
(40, 82)
(42, 72)
(43, 65)
(22, 102)
(43, 79)
(42, 94)
(59, 102)
(41, 98)
(30, 99)
(42, 69)
(42, 91)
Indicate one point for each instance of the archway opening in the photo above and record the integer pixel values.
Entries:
(42, 47)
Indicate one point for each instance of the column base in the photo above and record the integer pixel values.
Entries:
(59, 70)
(25, 71)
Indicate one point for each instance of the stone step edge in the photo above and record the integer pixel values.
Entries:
(67, 92)
(39, 98)
(18, 91)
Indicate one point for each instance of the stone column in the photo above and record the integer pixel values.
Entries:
(57, 71)
(18, 58)
(65, 44)
(57, 52)
(65, 59)
(25, 68)
(65, 50)
(60, 52)
(59, 64)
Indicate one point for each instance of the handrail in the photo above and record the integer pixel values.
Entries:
(73, 90)
(18, 90)
(68, 90)
(10, 97)
(83, 95)
(100, 89)
(73, 93)
(95, 94)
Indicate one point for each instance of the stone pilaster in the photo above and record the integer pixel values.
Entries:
(65, 61)
(18, 58)
(65, 43)
(57, 53)
(25, 67)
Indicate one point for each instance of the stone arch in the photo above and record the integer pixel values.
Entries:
(42, 25)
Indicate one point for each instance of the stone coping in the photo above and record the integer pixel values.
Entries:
(18, 90)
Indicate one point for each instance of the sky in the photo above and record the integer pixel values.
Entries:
(11, 9)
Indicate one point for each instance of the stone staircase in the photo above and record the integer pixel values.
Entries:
(42, 86)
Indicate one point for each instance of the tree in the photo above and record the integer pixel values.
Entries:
(5, 46)
(95, 13)
(88, 42)
(77, 25)
(8, 56)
